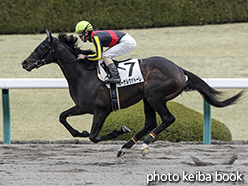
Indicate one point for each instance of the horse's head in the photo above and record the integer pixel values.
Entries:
(42, 54)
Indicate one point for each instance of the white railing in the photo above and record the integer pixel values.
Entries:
(33, 83)
(60, 83)
(227, 83)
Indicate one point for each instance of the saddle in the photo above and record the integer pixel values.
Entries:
(129, 71)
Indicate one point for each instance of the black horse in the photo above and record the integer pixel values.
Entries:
(163, 81)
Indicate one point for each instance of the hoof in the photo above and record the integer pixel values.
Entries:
(120, 153)
(144, 149)
(85, 133)
(125, 129)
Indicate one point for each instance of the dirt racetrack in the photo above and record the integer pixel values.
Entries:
(97, 164)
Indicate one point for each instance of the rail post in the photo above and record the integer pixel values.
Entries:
(6, 117)
(206, 124)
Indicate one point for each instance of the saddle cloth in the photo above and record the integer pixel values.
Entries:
(129, 71)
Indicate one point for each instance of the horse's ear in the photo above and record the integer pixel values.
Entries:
(49, 36)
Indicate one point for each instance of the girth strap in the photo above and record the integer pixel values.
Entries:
(114, 95)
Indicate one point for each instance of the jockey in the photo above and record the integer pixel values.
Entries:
(119, 43)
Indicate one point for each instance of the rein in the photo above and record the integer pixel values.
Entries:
(83, 62)
(72, 51)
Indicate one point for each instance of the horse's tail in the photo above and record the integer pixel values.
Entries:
(209, 94)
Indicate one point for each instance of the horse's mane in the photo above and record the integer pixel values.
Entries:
(72, 42)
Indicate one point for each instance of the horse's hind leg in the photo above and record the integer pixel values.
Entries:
(72, 112)
(150, 124)
(167, 119)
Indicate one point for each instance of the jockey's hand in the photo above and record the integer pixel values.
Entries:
(81, 56)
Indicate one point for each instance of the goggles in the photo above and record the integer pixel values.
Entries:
(83, 32)
(80, 34)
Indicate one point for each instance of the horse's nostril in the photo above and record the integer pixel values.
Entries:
(24, 64)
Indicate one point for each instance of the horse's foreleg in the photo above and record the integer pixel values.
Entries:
(115, 133)
(72, 112)
(150, 124)
(98, 121)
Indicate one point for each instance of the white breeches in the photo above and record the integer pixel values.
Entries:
(125, 45)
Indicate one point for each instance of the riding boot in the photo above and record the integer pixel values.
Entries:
(115, 77)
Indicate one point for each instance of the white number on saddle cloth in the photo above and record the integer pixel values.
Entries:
(129, 72)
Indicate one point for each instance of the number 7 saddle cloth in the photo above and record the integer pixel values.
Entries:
(129, 71)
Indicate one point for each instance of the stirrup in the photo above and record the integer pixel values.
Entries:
(107, 81)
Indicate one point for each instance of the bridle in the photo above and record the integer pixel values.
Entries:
(42, 59)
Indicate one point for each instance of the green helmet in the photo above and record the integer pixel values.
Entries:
(82, 26)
